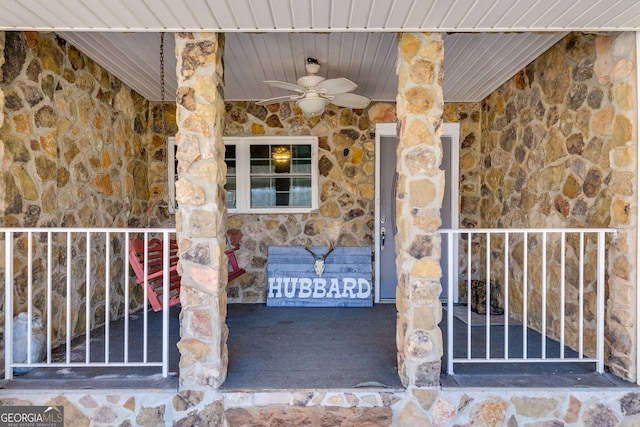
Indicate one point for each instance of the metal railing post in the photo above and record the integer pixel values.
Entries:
(600, 305)
(450, 304)
(8, 305)
(165, 303)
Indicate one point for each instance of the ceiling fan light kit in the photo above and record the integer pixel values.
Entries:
(314, 92)
(312, 106)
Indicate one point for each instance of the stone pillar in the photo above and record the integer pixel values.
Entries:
(2, 189)
(200, 220)
(419, 198)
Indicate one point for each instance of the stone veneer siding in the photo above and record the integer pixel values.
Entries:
(419, 199)
(559, 149)
(358, 408)
(346, 186)
(468, 115)
(411, 407)
(77, 150)
(201, 219)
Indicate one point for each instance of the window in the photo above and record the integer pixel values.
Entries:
(266, 174)
(271, 174)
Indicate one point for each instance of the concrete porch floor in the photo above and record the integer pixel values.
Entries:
(288, 348)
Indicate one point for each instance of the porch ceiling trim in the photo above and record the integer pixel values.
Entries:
(320, 16)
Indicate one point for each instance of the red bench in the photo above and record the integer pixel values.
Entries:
(155, 261)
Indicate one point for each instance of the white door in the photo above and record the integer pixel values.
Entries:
(384, 253)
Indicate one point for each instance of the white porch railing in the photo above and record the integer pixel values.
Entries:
(548, 280)
(79, 266)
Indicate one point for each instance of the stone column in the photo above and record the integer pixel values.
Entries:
(2, 189)
(200, 220)
(419, 198)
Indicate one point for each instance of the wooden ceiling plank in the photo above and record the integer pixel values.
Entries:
(369, 76)
(521, 54)
(456, 13)
(167, 19)
(262, 15)
(610, 15)
(203, 14)
(182, 12)
(119, 14)
(106, 51)
(321, 14)
(242, 14)
(142, 15)
(223, 14)
(76, 14)
(633, 16)
(414, 15)
(397, 16)
(379, 11)
(361, 14)
(301, 13)
(515, 12)
(340, 13)
(457, 50)
(500, 8)
(9, 18)
(473, 59)
(544, 12)
(31, 8)
(476, 13)
(281, 13)
(439, 12)
(249, 48)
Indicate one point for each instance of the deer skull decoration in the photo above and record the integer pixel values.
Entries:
(319, 261)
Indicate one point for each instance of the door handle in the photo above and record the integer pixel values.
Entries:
(383, 236)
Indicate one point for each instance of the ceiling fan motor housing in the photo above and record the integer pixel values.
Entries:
(309, 81)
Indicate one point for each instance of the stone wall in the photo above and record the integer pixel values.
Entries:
(74, 154)
(346, 185)
(468, 116)
(157, 208)
(559, 149)
(360, 408)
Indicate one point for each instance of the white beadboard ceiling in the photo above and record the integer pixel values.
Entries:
(475, 63)
(320, 15)
(487, 41)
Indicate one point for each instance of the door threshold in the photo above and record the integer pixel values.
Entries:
(387, 301)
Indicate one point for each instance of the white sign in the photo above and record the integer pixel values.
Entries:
(296, 287)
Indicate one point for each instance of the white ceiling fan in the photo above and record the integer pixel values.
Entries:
(315, 92)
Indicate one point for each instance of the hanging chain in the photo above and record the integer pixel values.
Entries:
(162, 81)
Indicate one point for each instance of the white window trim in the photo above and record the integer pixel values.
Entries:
(243, 196)
(243, 190)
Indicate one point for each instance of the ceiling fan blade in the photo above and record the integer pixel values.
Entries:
(350, 100)
(285, 85)
(337, 85)
(279, 99)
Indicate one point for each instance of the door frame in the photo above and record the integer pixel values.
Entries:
(453, 130)
(390, 129)
(382, 130)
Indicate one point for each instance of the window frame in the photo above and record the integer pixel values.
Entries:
(243, 173)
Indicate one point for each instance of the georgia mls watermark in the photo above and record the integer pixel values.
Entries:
(31, 416)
